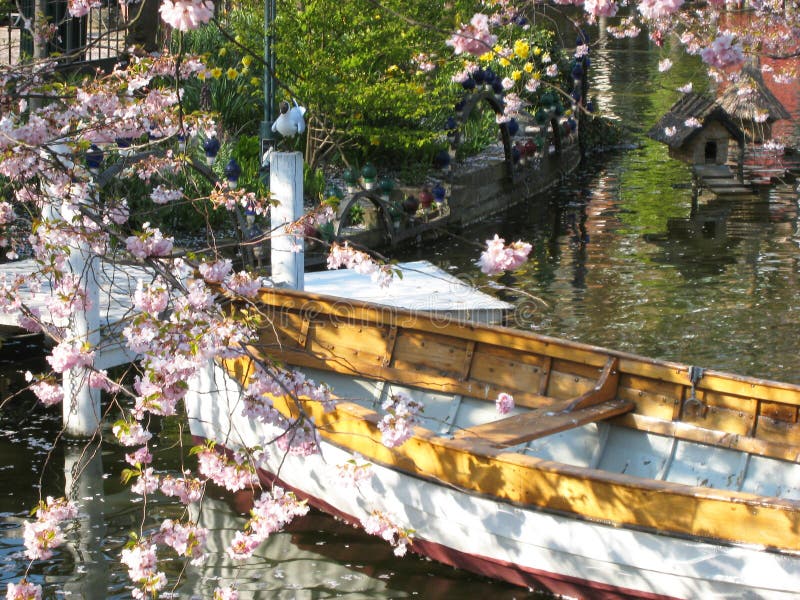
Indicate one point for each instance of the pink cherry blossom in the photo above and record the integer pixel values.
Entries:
(498, 257)
(24, 590)
(353, 472)
(142, 456)
(131, 434)
(187, 539)
(186, 489)
(40, 538)
(47, 392)
(658, 9)
(164, 195)
(402, 413)
(152, 298)
(383, 525)
(722, 52)
(67, 355)
(244, 284)
(475, 38)
(217, 271)
(186, 14)
(344, 255)
(225, 593)
(504, 403)
(243, 545)
(600, 8)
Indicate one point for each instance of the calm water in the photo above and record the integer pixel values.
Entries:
(620, 259)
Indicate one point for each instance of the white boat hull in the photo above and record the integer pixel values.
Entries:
(519, 544)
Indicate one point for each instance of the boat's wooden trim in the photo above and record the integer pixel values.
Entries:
(352, 312)
(658, 506)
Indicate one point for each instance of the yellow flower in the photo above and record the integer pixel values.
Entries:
(537, 51)
(516, 75)
(231, 73)
(216, 72)
(536, 75)
(420, 90)
(223, 51)
(255, 81)
(247, 60)
(392, 69)
(238, 39)
(521, 49)
(486, 56)
(527, 67)
(498, 49)
(505, 62)
(375, 140)
(201, 75)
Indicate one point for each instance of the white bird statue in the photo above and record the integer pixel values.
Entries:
(290, 122)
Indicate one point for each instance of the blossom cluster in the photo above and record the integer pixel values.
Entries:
(270, 513)
(381, 524)
(402, 413)
(344, 255)
(498, 257)
(41, 537)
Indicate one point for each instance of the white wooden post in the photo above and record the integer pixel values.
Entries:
(286, 187)
(81, 405)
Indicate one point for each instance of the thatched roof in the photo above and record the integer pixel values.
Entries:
(691, 106)
(750, 97)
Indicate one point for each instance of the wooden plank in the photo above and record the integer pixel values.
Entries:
(543, 422)
(505, 372)
(430, 353)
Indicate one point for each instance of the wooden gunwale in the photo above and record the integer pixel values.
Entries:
(612, 498)
(337, 309)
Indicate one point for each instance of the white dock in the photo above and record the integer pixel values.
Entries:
(422, 287)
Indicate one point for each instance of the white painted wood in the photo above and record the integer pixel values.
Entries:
(499, 531)
(423, 286)
(286, 187)
(81, 410)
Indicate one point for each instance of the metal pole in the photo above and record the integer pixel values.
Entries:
(267, 136)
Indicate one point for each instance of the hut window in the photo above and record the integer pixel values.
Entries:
(711, 151)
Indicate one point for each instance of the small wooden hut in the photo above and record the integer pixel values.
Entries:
(752, 105)
(698, 131)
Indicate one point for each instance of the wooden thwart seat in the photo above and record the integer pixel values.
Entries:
(597, 404)
(532, 425)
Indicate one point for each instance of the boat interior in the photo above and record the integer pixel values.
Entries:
(598, 444)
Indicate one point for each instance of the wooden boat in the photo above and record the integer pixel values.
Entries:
(614, 476)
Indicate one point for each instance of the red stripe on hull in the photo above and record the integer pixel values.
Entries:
(484, 565)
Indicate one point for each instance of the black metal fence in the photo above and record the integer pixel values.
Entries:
(97, 36)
